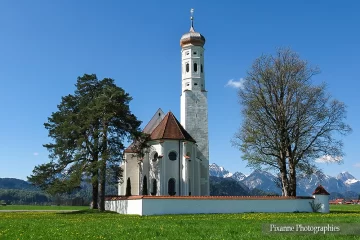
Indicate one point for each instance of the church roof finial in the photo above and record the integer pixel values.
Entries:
(192, 37)
(192, 20)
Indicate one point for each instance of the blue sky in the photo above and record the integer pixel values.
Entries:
(46, 45)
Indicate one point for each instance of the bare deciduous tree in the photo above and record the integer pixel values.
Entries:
(288, 122)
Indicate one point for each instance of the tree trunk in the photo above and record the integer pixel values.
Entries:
(104, 157)
(95, 181)
(102, 185)
(284, 180)
(95, 190)
(292, 180)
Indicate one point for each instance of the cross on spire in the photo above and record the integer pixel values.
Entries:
(192, 20)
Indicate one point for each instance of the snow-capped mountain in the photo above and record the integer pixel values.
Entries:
(265, 181)
(261, 180)
(345, 176)
(350, 181)
(331, 184)
(217, 171)
(238, 176)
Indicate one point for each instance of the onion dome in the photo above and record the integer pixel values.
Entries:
(192, 37)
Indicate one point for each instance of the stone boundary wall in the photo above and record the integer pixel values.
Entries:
(159, 205)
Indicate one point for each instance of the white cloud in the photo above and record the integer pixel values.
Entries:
(357, 165)
(235, 84)
(35, 153)
(328, 159)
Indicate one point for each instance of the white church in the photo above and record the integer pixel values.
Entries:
(176, 164)
(177, 160)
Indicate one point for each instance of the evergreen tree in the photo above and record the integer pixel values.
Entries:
(88, 131)
(128, 187)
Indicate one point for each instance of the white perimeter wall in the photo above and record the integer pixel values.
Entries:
(125, 206)
(192, 206)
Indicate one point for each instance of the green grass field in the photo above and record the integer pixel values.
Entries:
(38, 207)
(87, 224)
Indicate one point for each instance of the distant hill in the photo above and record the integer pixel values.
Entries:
(14, 183)
(17, 191)
(226, 187)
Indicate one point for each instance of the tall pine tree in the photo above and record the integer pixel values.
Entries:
(88, 133)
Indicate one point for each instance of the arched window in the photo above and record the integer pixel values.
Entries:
(145, 188)
(155, 155)
(189, 187)
(187, 67)
(172, 155)
(171, 187)
(202, 69)
(195, 67)
(153, 187)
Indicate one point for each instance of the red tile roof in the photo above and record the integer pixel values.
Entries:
(170, 128)
(320, 190)
(118, 197)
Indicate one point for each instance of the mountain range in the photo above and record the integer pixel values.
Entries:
(344, 184)
(222, 183)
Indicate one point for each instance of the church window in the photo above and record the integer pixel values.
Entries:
(172, 156)
(187, 53)
(187, 67)
(189, 187)
(155, 156)
(195, 53)
(188, 84)
(195, 67)
(153, 187)
(171, 187)
(195, 84)
(202, 70)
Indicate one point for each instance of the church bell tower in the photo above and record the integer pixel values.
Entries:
(194, 109)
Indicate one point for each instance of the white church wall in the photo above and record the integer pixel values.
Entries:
(121, 186)
(131, 167)
(160, 206)
(171, 167)
(323, 201)
(190, 176)
(145, 170)
(155, 168)
(189, 206)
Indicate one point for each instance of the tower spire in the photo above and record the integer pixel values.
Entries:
(192, 20)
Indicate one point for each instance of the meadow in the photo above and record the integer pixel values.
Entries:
(89, 224)
(39, 207)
